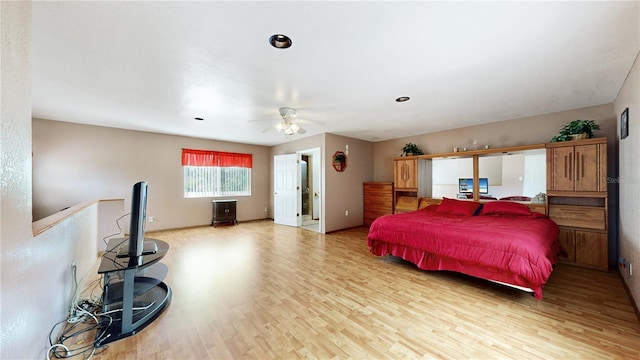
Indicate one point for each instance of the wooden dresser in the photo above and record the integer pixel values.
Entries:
(577, 199)
(378, 200)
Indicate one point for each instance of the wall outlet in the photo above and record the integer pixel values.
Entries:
(151, 219)
(266, 209)
(346, 213)
(624, 264)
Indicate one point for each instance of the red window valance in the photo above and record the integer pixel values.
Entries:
(193, 157)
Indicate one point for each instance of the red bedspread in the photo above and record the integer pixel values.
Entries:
(517, 250)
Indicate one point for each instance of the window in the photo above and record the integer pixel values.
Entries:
(215, 173)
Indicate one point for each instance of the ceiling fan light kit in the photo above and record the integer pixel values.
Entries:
(288, 126)
(289, 123)
(288, 113)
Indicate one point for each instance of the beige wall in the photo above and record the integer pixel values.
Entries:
(629, 179)
(22, 258)
(73, 163)
(341, 191)
(344, 191)
(532, 130)
(35, 272)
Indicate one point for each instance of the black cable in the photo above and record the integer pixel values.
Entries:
(92, 347)
(113, 250)
(71, 329)
(87, 308)
(104, 239)
(99, 338)
(70, 352)
(53, 328)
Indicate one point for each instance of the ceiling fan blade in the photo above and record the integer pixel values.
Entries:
(307, 121)
(268, 128)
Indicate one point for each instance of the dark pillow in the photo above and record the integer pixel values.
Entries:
(505, 208)
(457, 207)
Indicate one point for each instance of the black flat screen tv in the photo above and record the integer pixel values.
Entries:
(465, 185)
(138, 218)
(137, 245)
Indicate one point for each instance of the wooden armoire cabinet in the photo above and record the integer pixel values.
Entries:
(406, 174)
(577, 199)
(580, 167)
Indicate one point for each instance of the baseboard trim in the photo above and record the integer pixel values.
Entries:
(631, 299)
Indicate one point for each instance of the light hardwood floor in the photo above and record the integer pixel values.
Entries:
(264, 291)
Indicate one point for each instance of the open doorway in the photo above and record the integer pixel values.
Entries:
(310, 175)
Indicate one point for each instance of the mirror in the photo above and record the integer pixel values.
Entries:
(511, 176)
(339, 160)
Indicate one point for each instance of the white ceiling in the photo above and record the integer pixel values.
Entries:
(154, 66)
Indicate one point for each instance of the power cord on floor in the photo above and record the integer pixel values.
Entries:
(83, 317)
(60, 349)
(80, 321)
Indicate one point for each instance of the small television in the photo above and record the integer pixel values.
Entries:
(137, 245)
(465, 185)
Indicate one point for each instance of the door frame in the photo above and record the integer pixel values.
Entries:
(318, 182)
(318, 162)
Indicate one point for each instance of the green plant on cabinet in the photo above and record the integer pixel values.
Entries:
(576, 127)
(411, 149)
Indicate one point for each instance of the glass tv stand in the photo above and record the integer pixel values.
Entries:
(134, 292)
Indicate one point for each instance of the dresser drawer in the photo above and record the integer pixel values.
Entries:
(587, 217)
(406, 204)
(378, 202)
(379, 187)
(376, 212)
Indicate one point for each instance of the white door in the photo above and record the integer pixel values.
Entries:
(286, 187)
(316, 184)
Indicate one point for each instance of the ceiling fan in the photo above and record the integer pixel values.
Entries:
(289, 124)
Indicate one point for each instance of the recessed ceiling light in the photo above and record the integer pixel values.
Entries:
(199, 118)
(280, 41)
(402, 99)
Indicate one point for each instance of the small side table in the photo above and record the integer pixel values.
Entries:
(224, 211)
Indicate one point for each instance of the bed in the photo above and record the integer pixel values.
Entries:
(501, 241)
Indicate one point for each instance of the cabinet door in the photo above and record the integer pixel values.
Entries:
(586, 168)
(412, 174)
(568, 244)
(405, 174)
(562, 168)
(400, 174)
(224, 211)
(578, 168)
(591, 249)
